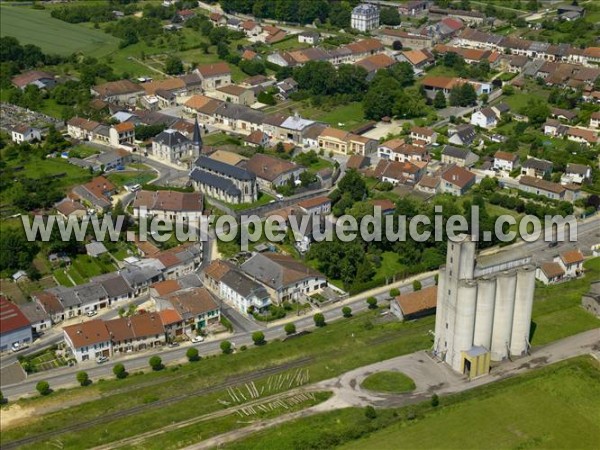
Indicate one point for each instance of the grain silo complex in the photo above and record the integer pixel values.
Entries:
(483, 311)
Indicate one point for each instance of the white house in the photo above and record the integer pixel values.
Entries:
(243, 293)
(25, 133)
(365, 17)
(484, 118)
(169, 205)
(309, 37)
(88, 340)
(576, 173)
(549, 273)
(571, 262)
(505, 161)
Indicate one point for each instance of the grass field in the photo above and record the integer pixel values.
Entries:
(31, 26)
(346, 117)
(553, 407)
(393, 382)
(122, 178)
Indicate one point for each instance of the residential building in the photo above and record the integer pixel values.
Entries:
(233, 94)
(43, 80)
(50, 304)
(595, 120)
(286, 87)
(82, 129)
(242, 292)
(418, 59)
(174, 147)
(272, 172)
(571, 262)
(365, 17)
(223, 181)
(88, 340)
(582, 136)
(373, 63)
(413, 7)
(179, 261)
(457, 180)
(285, 278)
(122, 134)
(121, 92)
(484, 118)
(538, 168)
(576, 173)
(463, 135)
(36, 315)
(462, 157)
(549, 273)
(408, 40)
(415, 305)
(237, 117)
(340, 141)
(429, 184)
(96, 194)
(316, 206)
(397, 172)
(292, 129)
(257, 138)
(423, 134)
(542, 187)
(505, 161)
(196, 306)
(214, 75)
(68, 207)
(168, 205)
(309, 37)
(15, 328)
(136, 333)
(213, 273)
(251, 28)
(25, 133)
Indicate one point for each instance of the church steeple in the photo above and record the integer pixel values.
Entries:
(197, 139)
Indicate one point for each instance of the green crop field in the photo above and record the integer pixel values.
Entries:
(31, 26)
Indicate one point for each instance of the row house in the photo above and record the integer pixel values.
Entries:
(424, 135)
(538, 168)
(121, 92)
(541, 187)
(399, 150)
(457, 181)
(397, 172)
(340, 141)
(238, 118)
(136, 333)
(180, 261)
(168, 205)
(272, 172)
(408, 40)
(196, 306)
(214, 75)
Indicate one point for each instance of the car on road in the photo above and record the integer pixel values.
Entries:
(553, 244)
(91, 313)
(173, 344)
(197, 339)
(101, 359)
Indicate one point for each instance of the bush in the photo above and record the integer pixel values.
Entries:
(370, 412)
(289, 328)
(243, 348)
(83, 378)
(347, 311)
(394, 292)
(156, 363)
(119, 371)
(319, 320)
(258, 337)
(43, 387)
(192, 354)
(417, 285)
(372, 302)
(226, 347)
(435, 400)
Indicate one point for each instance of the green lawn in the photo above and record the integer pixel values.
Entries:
(220, 138)
(553, 407)
(37, 27)
(263, 199)
(134, 177)
(393, 382)
(84, 267)
(390, 265)
(62, 278)
(82, 151)
(346, 117)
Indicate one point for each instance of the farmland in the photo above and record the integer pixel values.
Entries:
(32, 26)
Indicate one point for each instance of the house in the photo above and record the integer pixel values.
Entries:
(571, 262)
(408, 40)
(434, 84)
(419, 58)
(184, 14)
(272, 172)
(212, 274)
(445, 29)
(563, 114)
(25, 133)
(111, 159)
(542, 187)
(285, 278)
(534, 167)
(386, 206)
(122, 134)
(374, 63)
(68, 207)
(576, 173)
(397, 172)
(505, 161)
(174, 147)
(88, 340)
(291, 129)
(462, 157)
(415, 304)
(80, 128)
(457, 180)
(233, 94)
(237, 117)
(196, 306)
(311, 135)
(365, 17)
(286, 87)
(413, 7)
(169, 205)
(423, 134)
(549, 273)
(582, 136)
(257, 138)
(218, 20)
(242, 292)
(179, 261)
(115, 286)
(484, 118)
(121, 92)
(42, 80)
(36, 315)
(357, 162)
(251, 28)
(50, 304)
(96, 193)
(223, 181)
(339, 141)
(136, 333)
(463, 135)
(15, 328)
(95, 249)
(214, 75)
(595, 120)
(500, 109)
(429, 184)
(309, 37)
(316, 205)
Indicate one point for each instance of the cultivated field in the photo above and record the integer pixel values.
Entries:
(36, 27)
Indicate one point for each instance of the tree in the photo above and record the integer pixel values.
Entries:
(439, 101)
(83, 378)
(289, 328)
(372, 302)
(258, 337)
(307, 178)
(435, 400)
(347, 311)
(536, 111)
(319, 320)
(192, 354)
(395, 292)
(119, 371)
(43, 387)
(389, 16)
(397, 45)
(279, 148)
(156, 363)
(417, 285)
(370, 412)
(226, 347)
(174, 65)
(2, 399)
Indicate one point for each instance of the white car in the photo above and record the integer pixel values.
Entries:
(101, 359)
(91, 313)
(197, 339)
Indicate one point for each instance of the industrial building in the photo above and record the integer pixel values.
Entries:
(483, 311)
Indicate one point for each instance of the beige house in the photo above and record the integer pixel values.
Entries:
(214, 75)
(233, 94)
(340, 141)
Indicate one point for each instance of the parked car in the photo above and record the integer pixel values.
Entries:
(101, 359)
(173, 344)
(197, 339)
(91, 313)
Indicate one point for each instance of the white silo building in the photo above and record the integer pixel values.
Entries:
(483, 311)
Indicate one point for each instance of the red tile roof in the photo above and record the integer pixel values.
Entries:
(418, 301)
(11, 317)
(87, 333)
(572, 257)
